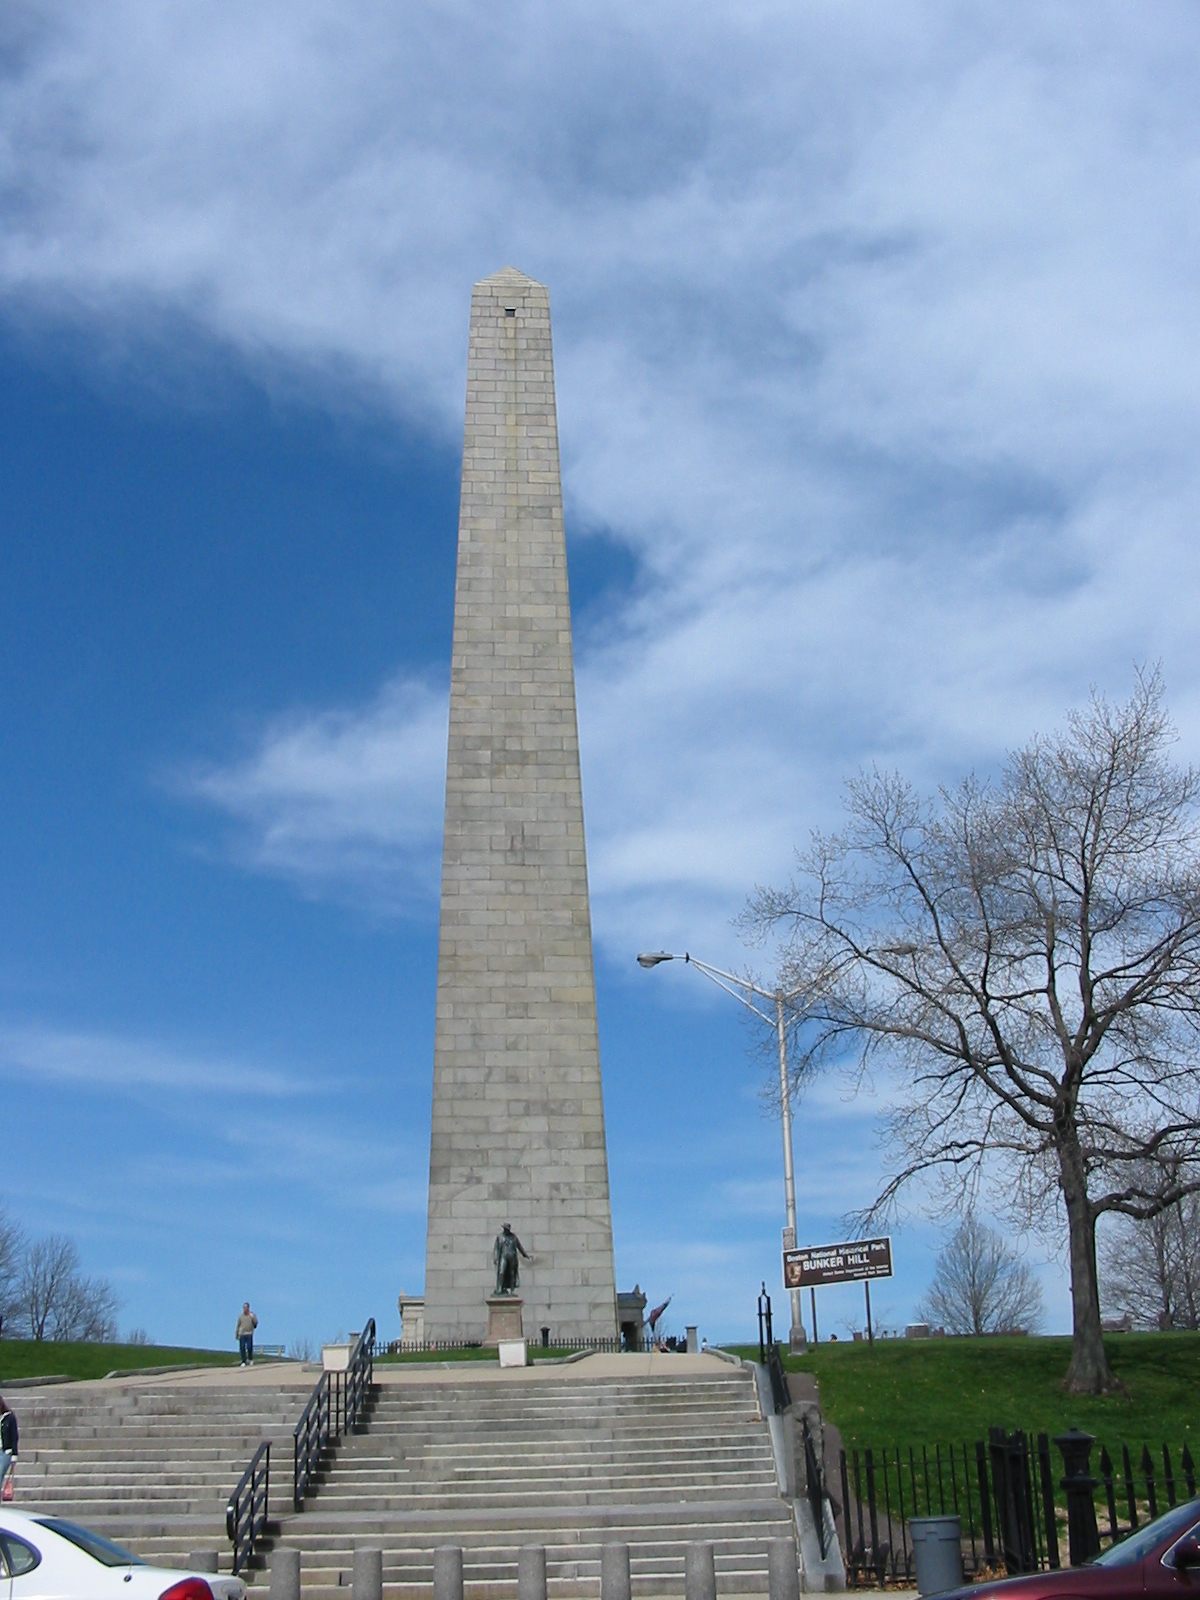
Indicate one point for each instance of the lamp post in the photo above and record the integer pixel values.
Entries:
(732, 986)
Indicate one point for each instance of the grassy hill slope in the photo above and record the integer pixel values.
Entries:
(32, 1358)
(927, 1391)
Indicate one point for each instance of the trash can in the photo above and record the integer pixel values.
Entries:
(937, 1553)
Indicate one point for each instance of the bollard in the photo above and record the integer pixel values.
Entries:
(368, 1574)
(447, 1572)
(699, 1574)
(614, 1572)
(203, 1561)
(285, 1575)
(783, 1575)
(1082, 1533)
(531, 1573)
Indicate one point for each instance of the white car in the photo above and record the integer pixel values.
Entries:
(46, 1558)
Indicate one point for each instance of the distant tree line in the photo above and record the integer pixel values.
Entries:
(44, 1293)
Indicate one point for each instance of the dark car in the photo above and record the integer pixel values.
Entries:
(1162, 1559)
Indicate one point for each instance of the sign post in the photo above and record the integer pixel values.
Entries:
(856, 1261)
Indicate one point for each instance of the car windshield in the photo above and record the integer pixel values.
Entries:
(93, 1544)
(1166, 1529)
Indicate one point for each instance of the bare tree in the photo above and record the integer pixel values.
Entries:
(86, 1309)
(1026, 957)
(12, 1254)
(981, 1285)
(1150, 1268)
(50, 1267)
(56, 1301)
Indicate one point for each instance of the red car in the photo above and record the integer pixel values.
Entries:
(1160, 1560)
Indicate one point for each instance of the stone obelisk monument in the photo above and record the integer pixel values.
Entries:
(518, 1120)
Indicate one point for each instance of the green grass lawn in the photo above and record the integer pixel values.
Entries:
(927, 1391)
(33, 1358)
(475, 1353)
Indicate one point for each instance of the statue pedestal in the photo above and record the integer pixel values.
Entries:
(504, 1319)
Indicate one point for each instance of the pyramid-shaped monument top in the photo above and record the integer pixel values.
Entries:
(518, 1120)
(509, 276)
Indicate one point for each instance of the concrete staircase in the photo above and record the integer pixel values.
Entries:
(568, 1462)
(153, 1463)
(559, 1457)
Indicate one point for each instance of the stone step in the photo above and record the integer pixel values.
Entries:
(517, 1524)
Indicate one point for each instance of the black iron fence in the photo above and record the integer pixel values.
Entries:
(1017, 1512)
(337, 1404)
(246, 1513)
(393, 1347)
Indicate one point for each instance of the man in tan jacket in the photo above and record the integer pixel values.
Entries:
(246, 1325)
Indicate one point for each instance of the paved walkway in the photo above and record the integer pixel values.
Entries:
(271, 1374)
(638, 1364)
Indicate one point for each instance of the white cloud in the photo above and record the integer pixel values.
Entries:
(342, 799)
(876, 341)
(100, 1061)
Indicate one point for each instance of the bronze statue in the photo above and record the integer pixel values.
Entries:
(504, 1258)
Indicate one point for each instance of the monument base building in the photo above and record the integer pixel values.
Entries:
(518, 1117)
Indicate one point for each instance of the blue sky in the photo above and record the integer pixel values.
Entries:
(875, 336)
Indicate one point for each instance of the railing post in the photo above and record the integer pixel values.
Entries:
(1148, 1474)
(1130, 1493)
(812, 1479)
(1110, 1494)
(1082, 1533)
(1168, 1476)
(970, 1507)
(1050, 1521)
(876, 1562)
(985, 1502)
(847, 1521)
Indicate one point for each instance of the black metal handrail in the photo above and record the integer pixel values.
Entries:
(310, 1439)
(360, 1375)
(815, 1488)
(335, 1406)
(246, 1513)
(781, 1395)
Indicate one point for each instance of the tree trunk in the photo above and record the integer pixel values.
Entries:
(1089, 1372)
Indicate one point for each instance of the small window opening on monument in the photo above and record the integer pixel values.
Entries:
(510, 311)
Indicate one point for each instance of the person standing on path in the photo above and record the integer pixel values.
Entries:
(8, 1447)
(246, 1325)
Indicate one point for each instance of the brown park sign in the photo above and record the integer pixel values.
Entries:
(854, 1262)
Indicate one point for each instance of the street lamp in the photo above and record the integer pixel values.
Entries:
(732, 985)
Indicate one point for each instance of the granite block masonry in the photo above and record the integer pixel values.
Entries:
(518, 1118)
